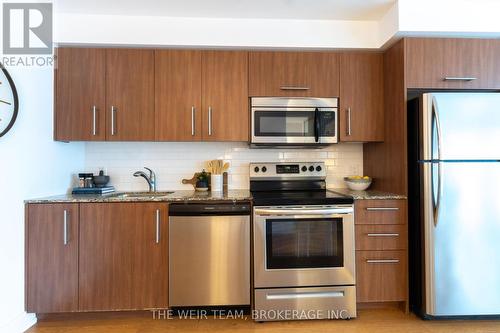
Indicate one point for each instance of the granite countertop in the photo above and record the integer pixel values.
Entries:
(176, 196)
(368, 194)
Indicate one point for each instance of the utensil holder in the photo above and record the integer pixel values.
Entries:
(216, 183)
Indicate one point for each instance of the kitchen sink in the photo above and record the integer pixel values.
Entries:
(141, 195)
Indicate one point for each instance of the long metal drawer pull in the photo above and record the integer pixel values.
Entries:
(65, 227)
(193, 110)
(157, 226)
(303, 211)
(293, 88)
(113, 110)
(382, 235)
(456, 78)
(381, 208)
(325, 294)
(382, 261)
(94, 120)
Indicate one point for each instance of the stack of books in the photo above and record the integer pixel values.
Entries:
(93, 190)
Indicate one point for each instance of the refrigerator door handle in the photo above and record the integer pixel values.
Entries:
(437, 202)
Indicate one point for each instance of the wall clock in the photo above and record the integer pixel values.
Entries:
(9, 101)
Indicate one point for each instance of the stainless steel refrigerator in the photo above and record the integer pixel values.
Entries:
(454, 199)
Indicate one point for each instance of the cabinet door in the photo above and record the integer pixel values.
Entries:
(178, 95)
(449, 62)
(225, 95)
(123, 256)
(51, 258)
(294, 74)
(130, 95)
(361, 97)
(79, 95)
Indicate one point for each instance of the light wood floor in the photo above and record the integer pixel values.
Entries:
(368, 321)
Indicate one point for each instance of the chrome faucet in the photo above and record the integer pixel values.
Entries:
(151, 179)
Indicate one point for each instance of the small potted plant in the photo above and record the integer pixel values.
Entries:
(202, 181)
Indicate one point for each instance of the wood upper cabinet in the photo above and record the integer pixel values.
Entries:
(449, 62)
(123, 256)
(51, 258)
(178, 95)
(225, 96)
(79, 94)
(294, 74)
(130, 95)
(361, 116)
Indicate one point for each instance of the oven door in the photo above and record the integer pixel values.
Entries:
(307, 125)
(303, 246)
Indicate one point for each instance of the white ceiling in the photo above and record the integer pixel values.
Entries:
(357, 10)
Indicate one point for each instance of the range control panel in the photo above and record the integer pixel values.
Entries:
(287, 170)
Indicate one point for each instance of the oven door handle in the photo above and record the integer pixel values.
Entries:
(303, 211)
(316, 125)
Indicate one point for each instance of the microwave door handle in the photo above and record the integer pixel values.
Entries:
(316, 125)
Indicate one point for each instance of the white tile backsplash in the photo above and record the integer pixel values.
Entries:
(173, 161)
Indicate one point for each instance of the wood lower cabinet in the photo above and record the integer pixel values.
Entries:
(178, 110)
(51, 258)
(80, 94)
(123, 256)
(452, 63)
(361, 97)
(294, 74)
(225, 96)
(130, 95)
(381, 251)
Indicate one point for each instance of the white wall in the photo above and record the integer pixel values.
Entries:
(174, 161)
(31, 165)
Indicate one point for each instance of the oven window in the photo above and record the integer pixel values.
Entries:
(282, 123)
(304, 243)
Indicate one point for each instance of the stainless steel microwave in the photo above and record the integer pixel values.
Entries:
(283, 121)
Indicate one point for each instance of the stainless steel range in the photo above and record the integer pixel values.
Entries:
(303, 244)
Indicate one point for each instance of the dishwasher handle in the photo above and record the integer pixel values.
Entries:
(212, 209)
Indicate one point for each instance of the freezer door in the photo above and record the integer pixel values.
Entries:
(465, 126)
(462, 238)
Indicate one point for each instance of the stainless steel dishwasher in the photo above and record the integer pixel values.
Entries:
(209, 258)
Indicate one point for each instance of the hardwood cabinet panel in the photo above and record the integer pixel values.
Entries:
(431, 60)
(381, 276)
(380, 212)
(51, 258)
(122, 264)
(178, 95)
(284, 73)
(381, 237)
(361, 97)
(79, 94)
(225, 96)
(130, 92)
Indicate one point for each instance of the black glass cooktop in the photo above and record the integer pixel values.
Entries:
(297, 197)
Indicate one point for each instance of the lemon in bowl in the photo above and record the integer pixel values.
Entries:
(358, 183)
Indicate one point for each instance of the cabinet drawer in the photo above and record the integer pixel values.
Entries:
(381, 237)
(380, 212)
(381, 276)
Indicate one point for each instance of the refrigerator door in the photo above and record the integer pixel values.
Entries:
(462, 238)
(465, 125)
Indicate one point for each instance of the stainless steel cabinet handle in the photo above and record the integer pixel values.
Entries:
(193, 110)
(382, 261)
(209, 120)
(455, 78)
(157, 226)
(381, 208)
(65, 227)
(94, 120)
(113, 111)
(293, 88)
(382, 235)
(348, 121)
